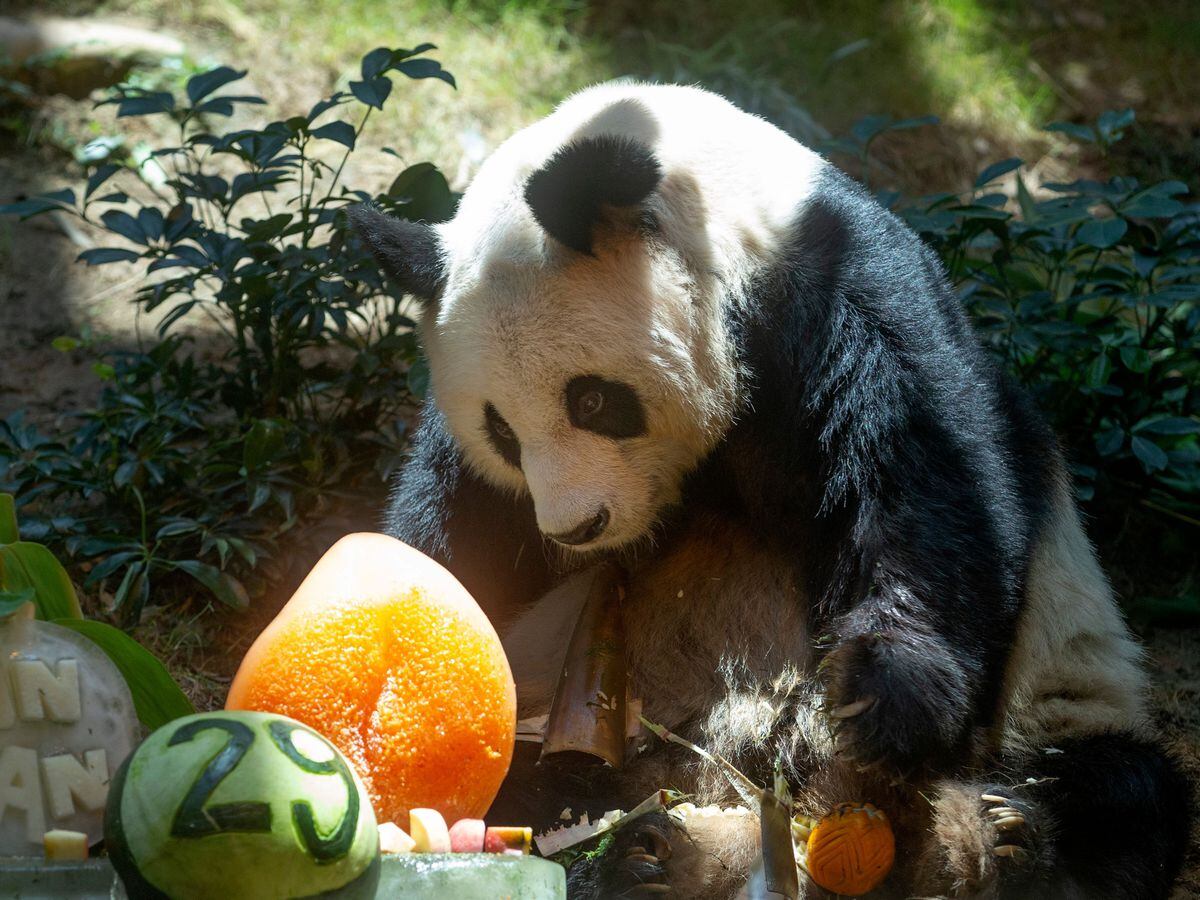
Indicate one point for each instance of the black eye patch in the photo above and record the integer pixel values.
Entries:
(609, 408)
(501, 436)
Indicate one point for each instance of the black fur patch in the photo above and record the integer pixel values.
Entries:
(568, 193)
(486, 537)
(500, 436)
(621, 414)
(407, 251)
(1110, 816)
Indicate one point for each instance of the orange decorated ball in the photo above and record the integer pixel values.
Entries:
(851, 850)
(384, 652)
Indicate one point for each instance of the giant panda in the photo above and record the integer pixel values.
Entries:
(662, 332)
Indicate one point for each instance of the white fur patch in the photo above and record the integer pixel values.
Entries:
(521, 315)
(1075, 670)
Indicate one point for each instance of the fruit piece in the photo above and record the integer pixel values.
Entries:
(429, 831)
(466, 836)
(240, 805)
(61, 844)
(386, 654)
(394, 839)
(508, 839)
(851, 850)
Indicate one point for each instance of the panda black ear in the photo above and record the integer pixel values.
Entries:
(408, 251)
(568, 192)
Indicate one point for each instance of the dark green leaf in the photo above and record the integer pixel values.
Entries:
(109, 565)
(223, 586)
(1112, 123)
(418, 379)
(25, 565)
(11, 601)
(1151, 206)
(376, 63)
(1170, 425)
(1149, 454)
(124, 224)
(9, 533)
(1079, 132)
(1102, 233)
(995, 170)
(99, 256)
(1135, 359)
(1099, 370)
(148, 104)
(1029, 209)
(342, 132)
(264, 442)
(425, 68)
(200, 86)
(97, 178)
(422, 194)
(373, 92)
(156, 697)
(918, 122)
(1110, 441)
(64, 199)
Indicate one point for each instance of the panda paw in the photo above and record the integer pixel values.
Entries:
(1013, 825)
(892, 702)
(633, 866)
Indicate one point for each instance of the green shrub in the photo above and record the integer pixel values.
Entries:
(195, 463)
(1092, 299)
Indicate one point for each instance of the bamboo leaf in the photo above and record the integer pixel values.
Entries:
(27, 565)
(9, 533)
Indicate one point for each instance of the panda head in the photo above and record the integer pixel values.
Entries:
(575, 325)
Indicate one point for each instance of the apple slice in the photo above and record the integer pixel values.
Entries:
(466, 836)
(428, 831)
(394, 839)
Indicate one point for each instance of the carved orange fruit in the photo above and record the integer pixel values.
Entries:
(851, 850)
(384, 652)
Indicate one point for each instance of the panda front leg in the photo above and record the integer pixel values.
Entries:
(1102, 816)
(901, 685)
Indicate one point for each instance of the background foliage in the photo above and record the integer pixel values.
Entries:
(199, 460)
(197, 464)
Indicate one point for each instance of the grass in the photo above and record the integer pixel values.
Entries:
(995, 71)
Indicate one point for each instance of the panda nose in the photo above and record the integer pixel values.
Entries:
(585, 531)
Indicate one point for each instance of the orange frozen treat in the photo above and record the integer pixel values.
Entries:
(384, 652)
(851, 850)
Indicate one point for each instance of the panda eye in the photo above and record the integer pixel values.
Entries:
(501, 436)
(589, 404)
(504, 430)
(605, 407)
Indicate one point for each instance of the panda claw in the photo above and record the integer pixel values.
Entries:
(642, 857)
(993, 798)
(1002, 811)
(850, 710)
(1006, 822)
(1011, 851)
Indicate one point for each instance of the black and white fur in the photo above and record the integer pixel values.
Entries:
(850, 540)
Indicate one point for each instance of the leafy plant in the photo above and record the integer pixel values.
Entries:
(29, 573)
(202, 453)
(1092, 299)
